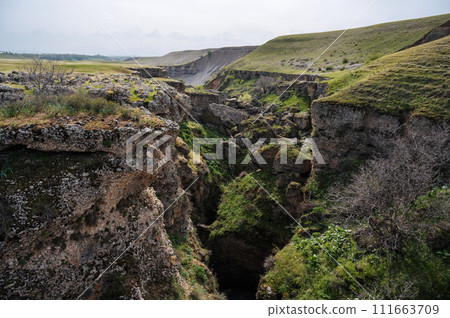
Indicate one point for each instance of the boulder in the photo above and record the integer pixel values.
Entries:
(222, 117)
(302, 120)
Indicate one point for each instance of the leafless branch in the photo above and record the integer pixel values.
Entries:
(47, 76)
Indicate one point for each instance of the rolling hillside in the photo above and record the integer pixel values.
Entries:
(8, 65)
(174, 58)
(293, 53)
(416, 79)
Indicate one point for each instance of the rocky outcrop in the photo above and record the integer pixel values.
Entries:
(69, 215)
(345, 135)
(168, 103)
(313, 89)
(74, 137)
(72, 210)
(76, 220)
(149, 72)
(222, 117)
(201, 100)
(248, 75)
(10, 94)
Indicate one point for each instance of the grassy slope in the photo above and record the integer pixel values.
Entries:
(175, 58)
(8, 65)
(416, 79)
(360, 45)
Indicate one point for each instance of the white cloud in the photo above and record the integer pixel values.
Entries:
(157, 27)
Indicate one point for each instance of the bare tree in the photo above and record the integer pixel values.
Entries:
(264, 82)
(47, 76)
(381, 195)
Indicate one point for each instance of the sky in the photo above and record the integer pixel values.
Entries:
(154, 28)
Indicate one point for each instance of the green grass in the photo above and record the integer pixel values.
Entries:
(303, 270)
(298, 102)
(135, 96)
(243, 89)
(246, 210)
(60, 105)
(287, 53)
(416, 79)
(190, 253)
(78, 104)
(236, 87)
(8, 65)
(218, 169)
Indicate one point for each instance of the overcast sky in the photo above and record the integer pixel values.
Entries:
(150, 28)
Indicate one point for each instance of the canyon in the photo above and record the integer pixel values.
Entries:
(81, 218)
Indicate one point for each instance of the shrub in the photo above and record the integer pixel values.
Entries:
(200, 274)
(246, 97)
(381, 198)
(130, 114)
(304, 270)
(47, 76)
(59, 105)
(264, 82)
(345, 61)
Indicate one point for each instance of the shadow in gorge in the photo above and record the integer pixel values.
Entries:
(236, 282)
(236, 262)
(237, 266)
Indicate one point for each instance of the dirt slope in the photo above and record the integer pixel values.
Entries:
(199, 71)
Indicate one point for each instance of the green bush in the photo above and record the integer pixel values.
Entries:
(59, 105)
(200, 274)
(304, 270)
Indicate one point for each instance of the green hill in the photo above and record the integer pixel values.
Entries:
(175, 58)
(416, 79)
(292, 53)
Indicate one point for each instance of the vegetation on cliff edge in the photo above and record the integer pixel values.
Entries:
(416, 79)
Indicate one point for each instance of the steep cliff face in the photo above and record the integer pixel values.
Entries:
(70, 214)
(391, 97)
(246, 75)
(78, 221)
(202, 69)
(344, 134)
(201, 100)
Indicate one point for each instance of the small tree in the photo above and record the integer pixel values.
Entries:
(47, 76)
(381, 195)
(264, 82)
